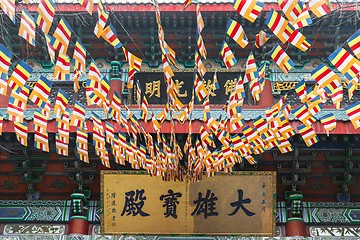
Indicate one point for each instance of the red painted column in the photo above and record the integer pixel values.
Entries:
(4, 99)
(79, 223)
(295, 228)
(79, 226)
(266, 97)
(295, 225)
(115, 80)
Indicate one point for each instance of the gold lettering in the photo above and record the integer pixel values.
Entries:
(153, 88)
(230, 86)
(178, 86)
(210, 87)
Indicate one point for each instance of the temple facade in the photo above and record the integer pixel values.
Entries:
(53, 196)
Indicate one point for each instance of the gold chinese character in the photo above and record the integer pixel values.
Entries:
(178, 86)
(230, 86)
(153, 88)
(210, 87)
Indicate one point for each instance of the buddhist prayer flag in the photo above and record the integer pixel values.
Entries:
(21, 130)
(314, 105)
(115, 106)
(5, 58)
(109, 131)
(261, 38)
(236, 32)
(94, 72)
(199, 65)
(300, 89)
(251, 69)
(62, 68)
(281, 59)
(285, 146)
(303, 19)
(168, 72)
(308, 134)
(236, 122)
(8, 7)
(83, 155)
(354, 43)
(279, 26)
(50, 48)
(260, 124)
(77, 74)
(17, 103)
(320, 7)
(88, 5)
(345, 63)
(98, 126)
(286, 130)
(227, 56)
(41, 92)
(249, 9)
(27, 27)
(104, 89)
(109, 35)
(255, 89)
(352, 85)
(304, 115)
(41, 141)
(61, 37)
(20, 75)
(353, 112)
(337, 96)
(61, 147)
(291, 9)
(329, 122)
(45, 15)
(200, 89)
(80, 56)
(144, 109)
(262, 77)
(61, 102)
(63, 126)
(326, 78)
(199, 19)
(78, 116)
(40, 121)
(299, 40)
(81, 139)
(201, 45)
(103, 17)
(215, 82)
(252, 136)
(187, 3)
(134, 61)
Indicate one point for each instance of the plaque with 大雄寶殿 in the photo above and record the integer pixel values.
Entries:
(242, 203)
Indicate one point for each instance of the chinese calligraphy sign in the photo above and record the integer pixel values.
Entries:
(242, 203)
(154, 87)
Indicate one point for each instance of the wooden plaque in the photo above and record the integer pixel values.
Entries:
(241, 203)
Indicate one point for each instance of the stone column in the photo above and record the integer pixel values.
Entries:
(79, 223)
(295, 225)
(115, 79)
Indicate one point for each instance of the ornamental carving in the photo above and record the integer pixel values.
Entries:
(334, 231)
(21, 229)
